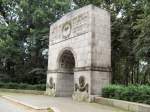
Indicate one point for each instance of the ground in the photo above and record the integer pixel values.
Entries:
(59, 104)
(8, 106)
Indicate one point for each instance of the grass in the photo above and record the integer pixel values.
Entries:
(50, 110)
(24, 86)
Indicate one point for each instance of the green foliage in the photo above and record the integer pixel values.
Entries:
(23, 86)
(50, 110)
(24, 30)
(130, 39)
(133, 93)
(143, 25)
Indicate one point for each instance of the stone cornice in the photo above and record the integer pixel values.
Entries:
(77, 69)
(93, 68)
(60, 71)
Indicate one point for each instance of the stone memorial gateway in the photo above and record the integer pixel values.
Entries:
(79, 63)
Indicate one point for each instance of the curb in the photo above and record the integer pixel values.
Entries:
(30, 106)
(126, 105)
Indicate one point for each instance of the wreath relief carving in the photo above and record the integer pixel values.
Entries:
(51, 83)
(66, 30)
(82, 86)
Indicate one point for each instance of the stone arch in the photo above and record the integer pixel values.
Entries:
(65, 66)
(61, 53)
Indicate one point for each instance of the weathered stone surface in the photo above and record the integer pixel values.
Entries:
(80, 46)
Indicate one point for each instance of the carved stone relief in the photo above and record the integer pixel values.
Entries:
(66, 30)
(51, 83)
(76, 26)
(82, 86)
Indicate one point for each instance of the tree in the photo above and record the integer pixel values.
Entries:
(125, 15)
(24, 29)
(24, 35)
(142, 43)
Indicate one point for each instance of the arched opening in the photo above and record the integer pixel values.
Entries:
(66, 77)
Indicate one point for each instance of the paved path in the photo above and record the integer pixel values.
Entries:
(6, 106)
(61, 104)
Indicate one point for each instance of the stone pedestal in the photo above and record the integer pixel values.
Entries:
(79, 63)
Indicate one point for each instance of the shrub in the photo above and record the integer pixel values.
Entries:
(24, 86)
(134, 93)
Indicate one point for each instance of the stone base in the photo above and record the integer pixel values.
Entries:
(50, 92)
(80, 96)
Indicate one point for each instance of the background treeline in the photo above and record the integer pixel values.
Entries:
(24, 30)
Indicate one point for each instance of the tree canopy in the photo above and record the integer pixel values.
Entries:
(24, 31)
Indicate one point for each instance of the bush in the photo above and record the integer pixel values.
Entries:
(134, 93)
(24, 86)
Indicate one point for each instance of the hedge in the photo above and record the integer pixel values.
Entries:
(24, 86)
(133, 93)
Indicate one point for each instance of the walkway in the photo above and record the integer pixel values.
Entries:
(60, 104)
(8, 106)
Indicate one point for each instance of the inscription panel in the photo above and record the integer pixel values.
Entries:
(74, 27)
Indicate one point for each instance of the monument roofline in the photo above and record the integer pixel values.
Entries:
(78, 11)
